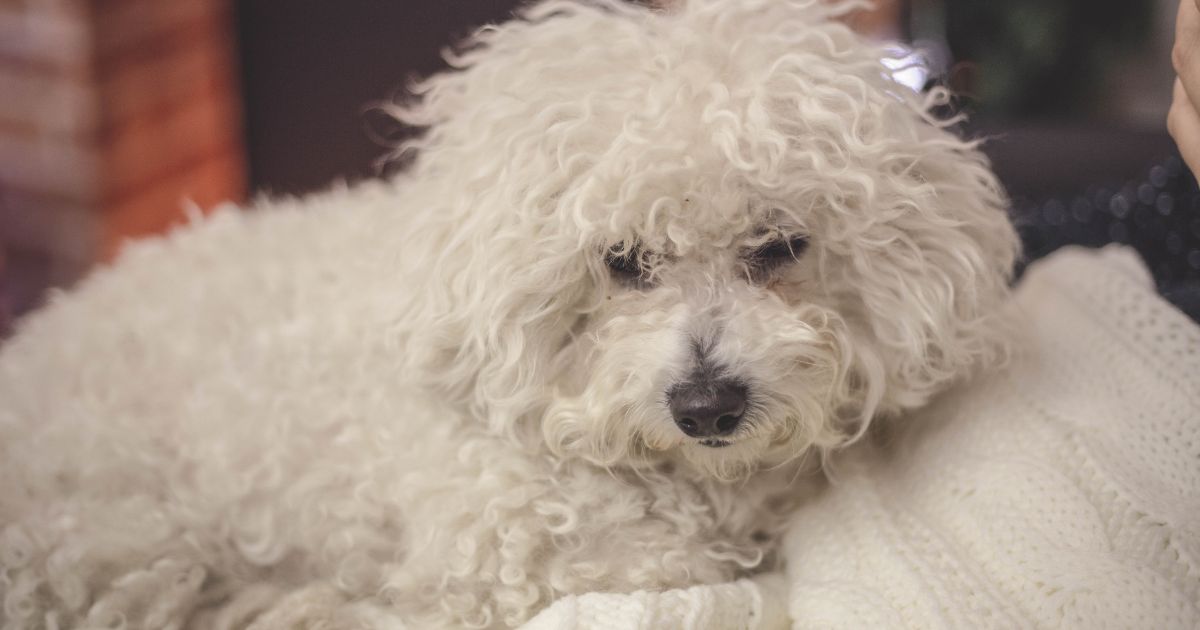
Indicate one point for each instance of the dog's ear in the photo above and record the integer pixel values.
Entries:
(499, 297)
(933, 278)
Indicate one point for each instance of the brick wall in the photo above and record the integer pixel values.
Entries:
(112, 113)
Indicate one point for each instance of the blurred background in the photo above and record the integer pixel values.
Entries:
(118, 115)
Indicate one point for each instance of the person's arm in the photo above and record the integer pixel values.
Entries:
(1183, 121)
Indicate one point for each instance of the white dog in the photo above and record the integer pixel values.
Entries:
(643, 264)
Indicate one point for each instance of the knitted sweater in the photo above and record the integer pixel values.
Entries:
(1063, 492)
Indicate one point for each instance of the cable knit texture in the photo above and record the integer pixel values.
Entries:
(1063, 492)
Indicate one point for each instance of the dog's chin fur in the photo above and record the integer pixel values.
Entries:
(437, 400)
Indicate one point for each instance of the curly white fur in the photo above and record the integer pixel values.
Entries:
(427, 403)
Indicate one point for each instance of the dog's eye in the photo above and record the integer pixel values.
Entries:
(776, 253)
(625, 262)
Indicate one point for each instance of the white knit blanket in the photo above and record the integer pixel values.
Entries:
(1061, 493)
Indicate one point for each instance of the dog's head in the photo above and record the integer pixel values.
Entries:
(719, 233)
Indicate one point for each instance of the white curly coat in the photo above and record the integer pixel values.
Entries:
(427, 403)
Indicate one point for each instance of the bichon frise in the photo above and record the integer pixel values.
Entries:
(643, 264)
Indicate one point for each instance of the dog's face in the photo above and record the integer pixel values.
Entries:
(720, 235)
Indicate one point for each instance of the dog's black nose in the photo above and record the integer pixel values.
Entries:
(708, 408)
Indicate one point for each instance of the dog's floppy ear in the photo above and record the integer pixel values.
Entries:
(935, 277)
(499, 300)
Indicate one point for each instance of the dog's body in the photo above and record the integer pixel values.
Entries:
(643, 265)
(273, 459)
